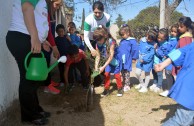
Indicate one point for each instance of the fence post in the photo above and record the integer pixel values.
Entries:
(162, 13)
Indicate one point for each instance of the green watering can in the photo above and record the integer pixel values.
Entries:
(37, 69)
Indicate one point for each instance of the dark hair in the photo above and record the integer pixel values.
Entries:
(99, 5)
(175, 26)
(192, 28)
(186, 21)
(71, 24)
(124, 29)
(73, 50)
(76, 32)
(60, 26)
(164, 31)
(152, 34)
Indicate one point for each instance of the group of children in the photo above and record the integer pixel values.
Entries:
(151, 50)
(158, 48)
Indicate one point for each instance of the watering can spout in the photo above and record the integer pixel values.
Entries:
(62, 59)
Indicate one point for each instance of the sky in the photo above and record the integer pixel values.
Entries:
(130, 9)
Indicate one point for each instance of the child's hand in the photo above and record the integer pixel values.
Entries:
(46, 46)
(155, 45)
(141, 61)
(101, 69)
(133, 60)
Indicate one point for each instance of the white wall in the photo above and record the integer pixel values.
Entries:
(9, 75)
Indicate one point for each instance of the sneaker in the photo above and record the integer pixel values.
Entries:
(61, 84)
(54, 84)
(157, 90)
(153, 87)
(164, 94)
(105, 93)
(51, 89)
(120, 93)
(126, 88)
(138, 86)
(143, 90)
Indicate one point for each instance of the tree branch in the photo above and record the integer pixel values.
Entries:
(173, 6)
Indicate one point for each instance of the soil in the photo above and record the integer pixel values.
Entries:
(133, 109)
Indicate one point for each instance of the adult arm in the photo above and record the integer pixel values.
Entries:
(29, 19)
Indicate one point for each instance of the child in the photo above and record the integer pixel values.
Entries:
(146, 58)
(81, 39)
(76, 58)
(105, 48)
(74, 38)
(173, 40)
(185, 26)
(128, 51)
(183, 88)
(63, 43)
(163, 49)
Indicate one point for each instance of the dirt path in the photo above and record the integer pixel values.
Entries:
(133, 109)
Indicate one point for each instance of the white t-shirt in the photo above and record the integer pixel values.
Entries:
(91, 24)
(41, 18)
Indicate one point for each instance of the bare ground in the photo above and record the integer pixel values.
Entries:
(133, 109)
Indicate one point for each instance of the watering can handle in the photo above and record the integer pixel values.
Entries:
(26, 59)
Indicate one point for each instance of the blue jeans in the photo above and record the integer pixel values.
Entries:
(158, 78)
(182, 117)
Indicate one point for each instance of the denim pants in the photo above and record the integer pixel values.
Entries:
(182, 117)
(158, 78)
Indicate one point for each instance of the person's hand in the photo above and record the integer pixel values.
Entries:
(35, 45)
(158, 67)
(56, 52)
(46, 46)
(155, 45)
(94, 52)
(133, 60)
(101, 69)
(141, 61)
(68, 38)
(56, 4)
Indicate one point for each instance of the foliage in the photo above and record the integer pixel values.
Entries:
(119, 20)
(149, 18)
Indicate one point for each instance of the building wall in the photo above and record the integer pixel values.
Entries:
(9, 75)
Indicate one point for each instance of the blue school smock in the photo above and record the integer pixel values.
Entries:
(146, 53)
(75, 40)
(183, 89)
(114, 66)
(128, 50)
(164, 49)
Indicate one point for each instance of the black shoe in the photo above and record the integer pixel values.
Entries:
(120, 92)
(105, 93)
(45, 114)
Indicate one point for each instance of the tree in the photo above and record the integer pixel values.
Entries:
(119, 21)
(149, 18)
(83, 19)
(169, 10)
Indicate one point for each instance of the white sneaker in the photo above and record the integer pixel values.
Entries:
(152, 87)
(126, 88)
(157, 90)
(138, 86)
(143, 90)
(164, 94)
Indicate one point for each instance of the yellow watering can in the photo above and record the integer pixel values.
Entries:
(37, 69)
